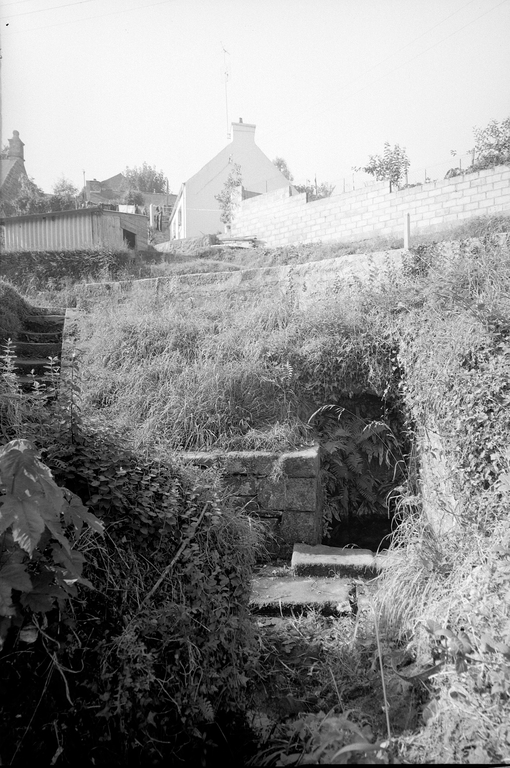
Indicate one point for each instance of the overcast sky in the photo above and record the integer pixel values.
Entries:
(95, 85)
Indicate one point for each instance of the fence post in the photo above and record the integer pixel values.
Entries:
(407, 230)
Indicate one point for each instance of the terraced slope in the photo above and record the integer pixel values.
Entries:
(36, 335)
(38, 344)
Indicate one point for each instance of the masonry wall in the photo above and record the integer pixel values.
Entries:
(302, 284)
(282, 490)
(281, 218)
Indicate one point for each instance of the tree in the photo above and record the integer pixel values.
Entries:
(228, 197)
(29, 199)
(133, 197)
(492, 144)
(146, 179)
(282, 166)
(315, 191)
(392, 166)
(64, 195)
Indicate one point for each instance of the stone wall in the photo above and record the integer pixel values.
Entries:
(281, 218)
(304, 284)
(282, 489)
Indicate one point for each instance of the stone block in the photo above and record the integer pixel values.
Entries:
(243, 485)
(296, 493)
(303, 463)
(300, 527)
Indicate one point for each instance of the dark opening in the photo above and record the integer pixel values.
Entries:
(363, 462)
(129, 238)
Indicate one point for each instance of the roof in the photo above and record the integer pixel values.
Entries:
(71, 212)
(7, 164)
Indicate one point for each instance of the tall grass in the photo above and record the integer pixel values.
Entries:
(436, 339)
(237, 372)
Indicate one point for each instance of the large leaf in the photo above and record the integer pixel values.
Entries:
(27, 523)
(76, 513)
(16, 576)
(72, 562)
(25, 477)
(44, 592)
(6, 517)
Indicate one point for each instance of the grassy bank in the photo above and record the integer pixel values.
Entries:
(435, 341)
(432, 342)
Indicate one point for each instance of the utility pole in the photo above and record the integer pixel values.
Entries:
(226, 72)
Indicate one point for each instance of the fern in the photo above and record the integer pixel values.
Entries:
(206, 710)
(352, 444)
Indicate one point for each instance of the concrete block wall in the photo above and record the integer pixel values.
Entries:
(281, 218)
(281, 489)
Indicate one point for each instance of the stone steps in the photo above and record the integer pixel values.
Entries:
(39, 339)
(319, 578)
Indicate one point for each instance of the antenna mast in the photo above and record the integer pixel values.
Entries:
(226, 72)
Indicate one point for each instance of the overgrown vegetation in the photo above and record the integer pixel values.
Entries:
(431, 646)
(33, 271)
(142, 664)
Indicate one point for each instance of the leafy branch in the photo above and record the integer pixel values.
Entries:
(37, 559)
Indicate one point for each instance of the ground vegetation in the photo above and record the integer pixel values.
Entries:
(420, 672)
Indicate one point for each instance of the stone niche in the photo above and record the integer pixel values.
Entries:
(282, 489)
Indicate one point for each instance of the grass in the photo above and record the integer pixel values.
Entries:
(233, 373)
(14, 310)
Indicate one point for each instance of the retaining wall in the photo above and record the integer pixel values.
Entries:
(304, 284)
(282, 218)
(282, 489)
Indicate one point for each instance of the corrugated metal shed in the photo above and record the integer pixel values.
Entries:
(71, 230)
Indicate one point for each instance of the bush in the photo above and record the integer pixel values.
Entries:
(39, 270)
(163, 643)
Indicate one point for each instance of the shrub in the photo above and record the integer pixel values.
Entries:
(163, 643)
(37, 270)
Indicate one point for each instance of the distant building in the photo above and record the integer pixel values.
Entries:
(74, 229)
(12, 169)
(110, 191)
(196, 211)
(113, 191)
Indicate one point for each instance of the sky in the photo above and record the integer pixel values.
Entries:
(94, 86)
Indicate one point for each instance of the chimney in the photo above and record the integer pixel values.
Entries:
(16, 146)
(243, 131)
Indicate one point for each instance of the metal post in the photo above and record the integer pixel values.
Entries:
(407, 231)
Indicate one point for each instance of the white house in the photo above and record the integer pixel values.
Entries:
(196, 211)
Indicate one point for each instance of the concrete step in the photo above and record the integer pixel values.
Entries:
(27, 383)
(43, 323)
(38, 348)
(348, 562)
(49, 310)
(284, 595)
(49, 318)
(38, 337)
(36, 364)
(321, 578)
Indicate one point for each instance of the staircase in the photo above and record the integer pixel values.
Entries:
(39, 339)
(333, 581)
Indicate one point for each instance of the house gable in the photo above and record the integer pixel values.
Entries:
(198, 207)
